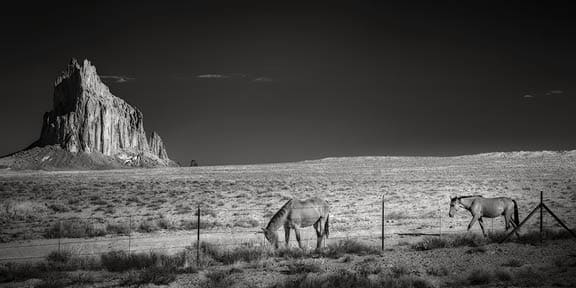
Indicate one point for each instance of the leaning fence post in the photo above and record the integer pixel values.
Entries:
(198, 237)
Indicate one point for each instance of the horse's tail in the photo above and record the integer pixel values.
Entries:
(516, 213)
(326, 228)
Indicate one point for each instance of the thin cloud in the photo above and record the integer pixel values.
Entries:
(528, 96)
(555, 92)
(118, 78)
(212, 76)
(233, 76)
(262, 79)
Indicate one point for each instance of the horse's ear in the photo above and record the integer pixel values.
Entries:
(453, 197)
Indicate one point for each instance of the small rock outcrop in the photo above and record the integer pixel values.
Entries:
(87, 118)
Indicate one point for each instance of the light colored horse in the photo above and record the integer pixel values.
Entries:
(481, 207)
(296, 214)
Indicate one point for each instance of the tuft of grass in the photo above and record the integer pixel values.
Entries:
(480, 276)
(429, 243)
(120, 261)
(290, 253)
(246, 253)
(62, 256)
(438, 271)
(74, 228)
(400, 270)
(347, 279)
(118, 229)
(300, 267)
(513, 263)
(250, 223)
(151, 275)
(503, 275)
(350, 246)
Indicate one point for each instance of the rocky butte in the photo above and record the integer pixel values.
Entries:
(90, 128)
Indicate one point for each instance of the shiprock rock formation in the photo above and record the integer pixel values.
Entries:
(93, 128)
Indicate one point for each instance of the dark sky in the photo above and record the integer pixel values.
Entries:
(255, 82)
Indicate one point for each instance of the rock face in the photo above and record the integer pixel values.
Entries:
(86, 117)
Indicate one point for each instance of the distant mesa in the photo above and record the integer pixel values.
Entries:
(89, 128)
(193, 163)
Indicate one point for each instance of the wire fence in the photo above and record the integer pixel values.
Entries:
(382, 222)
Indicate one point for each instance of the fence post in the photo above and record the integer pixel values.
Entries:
(59, 235)
(383, 221)
(440, 211)
(198, 237)
(130, 235)
(541, 217)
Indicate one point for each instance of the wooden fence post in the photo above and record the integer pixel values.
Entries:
(383, 221)
(198, 237)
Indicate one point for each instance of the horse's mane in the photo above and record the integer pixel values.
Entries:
(280, 214)
(469, 196)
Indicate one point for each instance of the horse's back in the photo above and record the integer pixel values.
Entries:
(308, 211)
(494, 207)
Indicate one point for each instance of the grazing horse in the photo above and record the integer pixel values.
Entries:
(296, 214)
(486, 207)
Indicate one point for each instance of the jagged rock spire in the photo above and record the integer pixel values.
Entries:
(87, 117)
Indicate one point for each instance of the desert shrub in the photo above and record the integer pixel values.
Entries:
(503, 275)
(246, 253)
(20, 271)
(528, 278)
(59, 207)
(120, 261)
(469, 239)
(479, 276)
(429, 243)
(151, 275)
(350, 246)
(513, 263)
(438, 271)
(206, 212)
(300, 267)
(22, 210)
(397, 215)
(290, 253)
(347, 279)
(250, 223)
(62, 256)
(74, 228)
(54, 280)
(118, 229)
(81, 278)
(147, 226)
(368, 267)
(219, 278)
(193, 224)
(165, 223)
(400, 270)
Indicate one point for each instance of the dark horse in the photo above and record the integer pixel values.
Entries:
(481, 207)
(296, 214)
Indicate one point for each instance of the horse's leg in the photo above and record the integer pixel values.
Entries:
(287, 234)
(481, 222)
(297, 232)
(512, 223)
(507, 221)
(474, 219)
(319, 232)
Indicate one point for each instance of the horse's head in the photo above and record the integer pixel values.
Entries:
(454, 202)
(271, 236)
